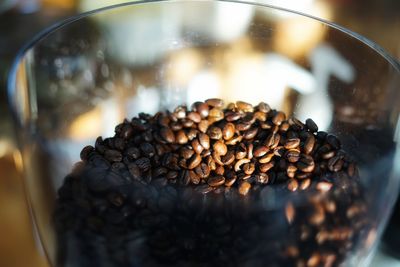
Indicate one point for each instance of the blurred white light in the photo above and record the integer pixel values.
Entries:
(204, 85)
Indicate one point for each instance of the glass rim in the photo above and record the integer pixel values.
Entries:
(42, 35)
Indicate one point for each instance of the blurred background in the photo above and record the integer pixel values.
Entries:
(20, 20)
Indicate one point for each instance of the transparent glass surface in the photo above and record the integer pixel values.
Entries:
(81, 78)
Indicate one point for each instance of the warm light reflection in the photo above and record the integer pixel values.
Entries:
(86, 126)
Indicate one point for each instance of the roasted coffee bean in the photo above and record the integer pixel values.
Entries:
(203, 126)
(215, 102)
(295, 124)
(194, 161)
(260, 116)
(333, 141)
(229, 158)
(84, 155)
(220, 170)
(292, 185)
(194, 116)
(113, 155)
(214, 133)
(241, 151)
(306, 163)
(311, 125)
(181, 137)
(204, 189)
(216, 180)
(184, 177)
(147, 149)
(194, 178)
(248, 168)
(172, 175)
(267, 158)
(134, 170)
(278, 118)
(230, 181)
(305, 183)
(244, 188)
(250, 134)
(205, 140)
(167, 134)
(220, 148)
(263, 107)
(99, 145)
(243, 106)
(335, 164)
(260, 151)
(292, 143)
(228, 131)
(143, 163)
(309, 144)
(266, 167)
(234, 140)
(216, 114)
(293, 155)
(202, 170)
(186, 152)
(201, 108)
(239, 163)
(250, 148)
(197, 147)
(262, 178)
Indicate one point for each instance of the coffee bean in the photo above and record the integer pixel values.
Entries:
(244, 188)
(194, 178)
(311, 125)
(241, 151)
(202, 170)
(216, 114)
(172, 175)
(292, 155)
(278, 118)
(194, 116)
(267, 158)
(184, 177)
(204, 189)
(305, 183)
(194, 161)
(181, 137)
(243, 126)
(215, 102)
(230, 181)
(113, 155)
(309, 144)
(186, 152)
(143, 163)
(250, 148)
(197, 147)
(335, 164)
(201, 108)
(266, 167)
(333, 141)
(232, 116)
(84, 155)
(147, 149)
(134, 170)
(248, 168)
(250, 134)
(229, 158)
(220, 148)
(306, 163)
(243, 106)
(292, 143)
(262, 178)
(214, 133)
(228, 131)
(260, 151)
(296, 124)
(167, 134)
(234, 140)
(239, 164)
(216, 180)
(203, 126)
(204, 139)
(292, 185)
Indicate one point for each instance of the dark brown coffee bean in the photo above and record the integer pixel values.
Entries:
(143, 163)
(266, 167)
(126, 131)
(215, 102)
(305, 183)
(311, 125)
(232, 116)
(293, 155)
(100, 147)
(194, 178)
(229, 158)
(262, 178)
(194, 161)
(250, 134)
(309, 144)
(134, 170)
(211, 163)
(260, 151)
(234, 140)
(186, 152)
(216, 180)
(333, 141)
(220, 170)
(184, 177)
(214, 133)
(351, 169)
(228, 131)
(263, 107)
(167, 134)
(204, 189)
(194, 116)
(84, 155)
(220, 148)
(201, 108)
(321, 135)
(197, 147)
(296, 124)
(203, 126)
(176, 126)
(314, 260)
(278, 118)
(172, 175)
(241, 151)
(242, 126)
(335, 164)
(244, 188)
(306, 164)
(279, 151)
(217, 158)
(181, 137)
(244, 106)
(202, 170)
(160, 171)
(147, 149)
(292, 143)
(113, 155)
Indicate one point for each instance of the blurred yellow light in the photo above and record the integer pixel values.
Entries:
(87, 125)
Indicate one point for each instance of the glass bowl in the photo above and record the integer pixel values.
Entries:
(79, 79)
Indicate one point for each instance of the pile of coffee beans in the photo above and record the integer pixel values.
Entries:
(239, 184)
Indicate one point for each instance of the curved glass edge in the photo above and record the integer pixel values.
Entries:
(11, 77)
